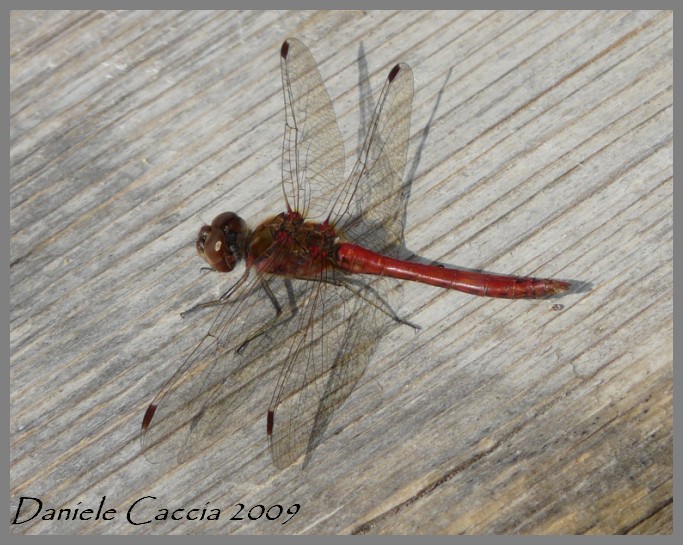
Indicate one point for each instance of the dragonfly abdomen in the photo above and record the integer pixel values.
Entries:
(356, 259)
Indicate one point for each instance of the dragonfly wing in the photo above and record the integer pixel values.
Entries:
(313, 150)
(371, 209)
(191, 411)
(336, 335)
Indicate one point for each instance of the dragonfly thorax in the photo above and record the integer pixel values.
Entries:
(223, 243)
(288, 245)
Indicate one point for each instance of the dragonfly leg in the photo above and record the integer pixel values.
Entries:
(220, 301)
(382, 305)
(267, 326)
(370, 295)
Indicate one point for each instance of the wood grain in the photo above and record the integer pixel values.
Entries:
(541, 144)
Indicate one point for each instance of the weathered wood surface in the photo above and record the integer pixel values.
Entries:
(549, 152)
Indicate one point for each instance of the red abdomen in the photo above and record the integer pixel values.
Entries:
(357, 259)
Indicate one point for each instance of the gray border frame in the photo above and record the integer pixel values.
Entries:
(16, 538)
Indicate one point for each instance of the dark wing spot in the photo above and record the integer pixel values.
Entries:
(149, 414)
(394, 71)
(269, 424)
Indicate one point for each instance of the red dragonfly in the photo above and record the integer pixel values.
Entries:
(312, 301)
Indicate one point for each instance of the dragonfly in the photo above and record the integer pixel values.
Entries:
(317, 288)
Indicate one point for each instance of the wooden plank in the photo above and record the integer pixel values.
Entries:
(541, 144)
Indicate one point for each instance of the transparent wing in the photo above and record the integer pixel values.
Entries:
(191, 411)
(313, 150)
(371, 207)
(335, 337)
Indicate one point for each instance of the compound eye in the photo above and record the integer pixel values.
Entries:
(216, 252)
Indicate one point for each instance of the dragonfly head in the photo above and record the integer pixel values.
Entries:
(223, 243)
